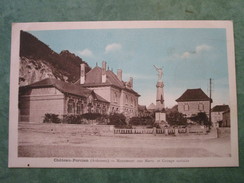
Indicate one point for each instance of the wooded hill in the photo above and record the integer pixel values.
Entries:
(64, 63)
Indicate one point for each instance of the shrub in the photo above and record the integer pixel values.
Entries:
(201, 118)
(91, 116)
(72, 119)
(117, 119)
(103, 120)
(51, 118)
(141, 121)
(84, 118)
(100, 118)
(176, 118)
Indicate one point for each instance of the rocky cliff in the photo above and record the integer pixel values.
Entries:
(33, 70)
(38, 61)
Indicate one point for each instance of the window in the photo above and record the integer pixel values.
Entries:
(89, 108)
(79, 108)
(104, 109)
(126, 99)
(200, 107)
(186, 107)
(90, 99)
(71, 106)
(115, 97)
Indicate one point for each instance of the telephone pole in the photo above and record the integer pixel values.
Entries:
(210, 101)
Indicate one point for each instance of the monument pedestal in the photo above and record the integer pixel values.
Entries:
(160, 96)
(160, 116)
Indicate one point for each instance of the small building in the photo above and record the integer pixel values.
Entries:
(58, 97)
(142, 111)
(120, 94)
(217, 115)
(226, 119)
(172, 110)
(193, 101)
(151, 108)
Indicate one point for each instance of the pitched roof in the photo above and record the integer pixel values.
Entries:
(193, 95)
(227, 111)
(94, 78)
(64, 87)
(152, 106)
(142, 107)
(220, 108)
(98, 97)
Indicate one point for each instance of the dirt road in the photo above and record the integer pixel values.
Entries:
(49, 140)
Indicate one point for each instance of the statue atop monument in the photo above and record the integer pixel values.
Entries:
(160, 115)
(160, 73)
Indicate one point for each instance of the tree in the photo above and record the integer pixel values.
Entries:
(176, 118)
(117, 119)
(201, 118)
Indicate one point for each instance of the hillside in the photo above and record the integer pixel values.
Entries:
(38, 61)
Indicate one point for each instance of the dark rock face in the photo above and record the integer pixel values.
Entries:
(38, 61)
(33, 70)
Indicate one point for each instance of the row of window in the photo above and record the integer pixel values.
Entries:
(129, 110)
(128, 99)
(115, 109)
(79, 108)
(200, 107)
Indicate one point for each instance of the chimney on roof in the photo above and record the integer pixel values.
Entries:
(119, 74)
(104, 72)
(82, 73)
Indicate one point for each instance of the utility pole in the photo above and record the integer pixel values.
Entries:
(210, 101)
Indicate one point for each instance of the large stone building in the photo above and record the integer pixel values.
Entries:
(58, 97)
(193, 101)
(98, 91)
(120, 95)
(217, 113)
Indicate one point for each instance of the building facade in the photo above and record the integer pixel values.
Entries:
(226, 119)
(217, 115)
(193, 101)
(58, 97)
(120, 95)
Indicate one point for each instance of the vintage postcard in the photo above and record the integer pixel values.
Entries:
(123, 94)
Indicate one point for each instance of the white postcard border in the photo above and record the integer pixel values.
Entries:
(15, 161)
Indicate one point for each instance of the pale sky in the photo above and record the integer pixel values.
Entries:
(189, 57)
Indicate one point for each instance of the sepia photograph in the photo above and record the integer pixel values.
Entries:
(126, 94)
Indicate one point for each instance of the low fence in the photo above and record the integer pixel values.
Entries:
(166, 131)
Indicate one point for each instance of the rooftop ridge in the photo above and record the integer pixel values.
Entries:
(195, 94)
(63, 87)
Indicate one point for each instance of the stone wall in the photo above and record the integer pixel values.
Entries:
(75, 129)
